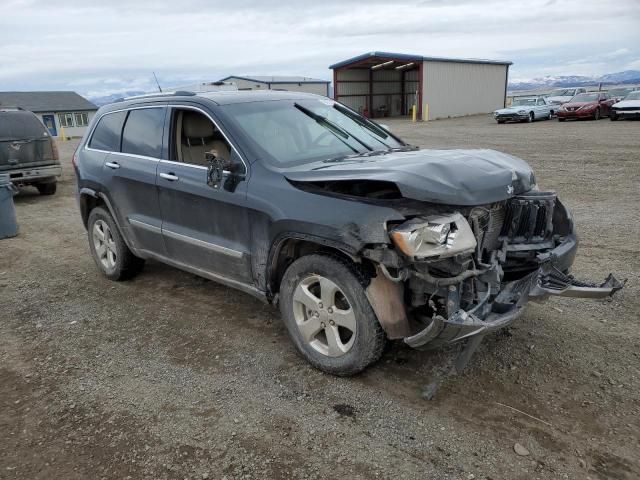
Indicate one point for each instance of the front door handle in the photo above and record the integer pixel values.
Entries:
(169, 176)
(113, 165)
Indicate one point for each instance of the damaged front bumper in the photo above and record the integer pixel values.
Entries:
(509, 304)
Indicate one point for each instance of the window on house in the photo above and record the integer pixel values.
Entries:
(82, 119)
(65, 119)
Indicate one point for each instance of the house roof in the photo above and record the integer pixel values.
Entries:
(412, 58)
(275, 79)
(46, 101)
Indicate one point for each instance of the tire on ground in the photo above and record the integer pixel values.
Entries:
(370, 339)
(127, 265)
(47, 188)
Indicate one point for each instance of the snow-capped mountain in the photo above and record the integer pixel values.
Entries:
(104, 100)
(626, 77)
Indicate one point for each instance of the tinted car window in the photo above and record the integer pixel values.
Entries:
(106, 136)
(20, 125)
(142, 133)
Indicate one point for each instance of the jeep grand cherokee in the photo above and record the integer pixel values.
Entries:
(302, 202)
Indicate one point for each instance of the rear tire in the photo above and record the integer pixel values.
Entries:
(561, 119)
(47, 188)
(328, 316)
(500, 121)
(108, 249)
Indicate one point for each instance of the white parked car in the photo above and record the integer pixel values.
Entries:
(524, 109)
(627, 108)
(563, 95)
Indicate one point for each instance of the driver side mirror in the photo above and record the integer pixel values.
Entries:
(217, 167)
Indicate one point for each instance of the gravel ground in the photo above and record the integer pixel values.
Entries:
(172, 376)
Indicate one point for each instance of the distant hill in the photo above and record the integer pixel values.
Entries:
(619, 78)
(100, 101)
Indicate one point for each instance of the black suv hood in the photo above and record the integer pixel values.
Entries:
(453, 177)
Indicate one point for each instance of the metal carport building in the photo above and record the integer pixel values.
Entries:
(381, 84)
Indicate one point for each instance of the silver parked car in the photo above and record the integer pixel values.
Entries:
(563, 95)
(524, 109)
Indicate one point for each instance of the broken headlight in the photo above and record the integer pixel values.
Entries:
(434, 237)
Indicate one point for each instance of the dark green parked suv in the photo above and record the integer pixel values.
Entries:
(28, 154)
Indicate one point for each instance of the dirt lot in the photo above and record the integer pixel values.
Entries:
(172, 376)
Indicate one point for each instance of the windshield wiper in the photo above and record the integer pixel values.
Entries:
(365, 124)
(332, 127)
(373, 153)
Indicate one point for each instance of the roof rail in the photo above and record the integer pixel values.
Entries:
(181, 93)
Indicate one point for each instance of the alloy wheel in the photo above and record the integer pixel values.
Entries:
(104, 244)
(324, 316)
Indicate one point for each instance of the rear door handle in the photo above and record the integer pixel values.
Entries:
(169, 176)
(113, 165)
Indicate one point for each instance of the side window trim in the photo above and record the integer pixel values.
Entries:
(216, 124)
(97, 121)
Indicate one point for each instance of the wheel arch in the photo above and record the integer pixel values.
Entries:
(288, 247)
(90, 199)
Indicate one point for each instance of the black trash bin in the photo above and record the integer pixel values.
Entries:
(8, 222)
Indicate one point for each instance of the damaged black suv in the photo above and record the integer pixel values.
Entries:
(302, 202)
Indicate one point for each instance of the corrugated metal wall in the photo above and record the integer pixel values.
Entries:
(357, 84)
(317, 88)
(456, 89)
(411, 86)
(353, 90)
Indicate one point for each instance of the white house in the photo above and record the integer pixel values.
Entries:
(59, 111)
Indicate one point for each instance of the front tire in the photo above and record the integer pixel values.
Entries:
(596, 115)
(108, 249)
(328, 316)
(613, 117)
(561, 119)
(531, 117)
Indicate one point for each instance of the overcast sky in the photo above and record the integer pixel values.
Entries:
(111, 46)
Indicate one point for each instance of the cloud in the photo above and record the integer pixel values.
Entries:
(102, 46)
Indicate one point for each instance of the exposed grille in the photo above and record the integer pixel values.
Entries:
(626, 109)
(528, 218)
(487, 223)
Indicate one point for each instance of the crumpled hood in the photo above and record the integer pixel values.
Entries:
(453, 177)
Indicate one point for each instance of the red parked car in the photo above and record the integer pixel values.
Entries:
(586, 105)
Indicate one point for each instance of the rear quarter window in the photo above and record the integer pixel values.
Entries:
(106, 135)
(142, 134)
(20, 125)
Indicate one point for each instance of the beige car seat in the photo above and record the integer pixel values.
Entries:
(200, 136)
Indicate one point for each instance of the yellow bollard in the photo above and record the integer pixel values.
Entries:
(414, 113)
(425, 112)
(63, 137)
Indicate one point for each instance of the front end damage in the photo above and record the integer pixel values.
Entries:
(454, 277)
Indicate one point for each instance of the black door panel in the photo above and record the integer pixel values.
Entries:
(131, 178)
(204, 227)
